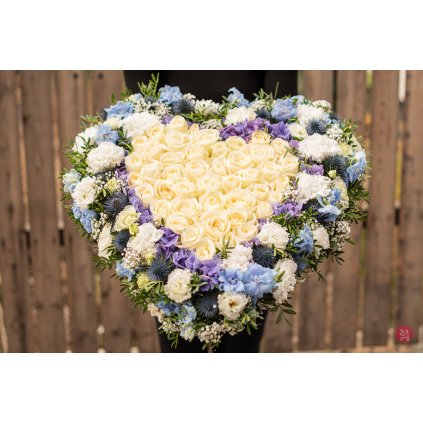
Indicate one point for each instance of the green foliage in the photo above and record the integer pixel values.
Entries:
(150, 89)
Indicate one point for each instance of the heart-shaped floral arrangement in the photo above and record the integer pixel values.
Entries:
(212, 213)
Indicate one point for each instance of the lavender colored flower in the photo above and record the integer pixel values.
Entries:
(284, 109)
(288, 207)
(167, 243)
(166, 119)
(180, 258)
(314, 169)
(244, 129)
(258, 280)
(279, 130)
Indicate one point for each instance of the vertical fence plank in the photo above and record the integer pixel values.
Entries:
(384, 134)
(45, 254)
(318, 85)
(80, 268)
(116, 308)
(350, 103)
(13, 251)
(410, 290)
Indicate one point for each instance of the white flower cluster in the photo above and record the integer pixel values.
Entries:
(211, 334)
(317, 147)
(144, 242)
(238, 258)
(178, 286)
(321, 237)
(105, 157)
(272, 234)
(309, 186)
(206, 107)
(84, 193)
(339, 232)
(231, 304)
(287, 269)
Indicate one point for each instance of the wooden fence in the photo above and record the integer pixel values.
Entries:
(54, 300)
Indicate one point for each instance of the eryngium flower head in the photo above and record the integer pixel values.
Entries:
(316, 127)
(338, 163)
(263, 113)
(121, 239)
(114, 204)
(264, 256)
(182, 106)
(206, 305)
(160, 269)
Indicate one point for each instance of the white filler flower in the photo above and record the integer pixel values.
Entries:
(106, 156)
(231, 304)
(317, 147)
(84, 192)
(178, 286)
(288, 267)
(272, 234)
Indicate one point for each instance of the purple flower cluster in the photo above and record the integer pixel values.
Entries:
(244, 129)
(289, 208)
(167, 243)
(312, 169)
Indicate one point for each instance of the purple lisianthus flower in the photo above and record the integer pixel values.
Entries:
(284, 109)
(209, 270)
(258, 280)
(312, 169)
(231, 280)
(237, 97)
(279, 130)
(289, 208)
(167, 243)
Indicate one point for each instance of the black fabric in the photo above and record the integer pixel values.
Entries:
(213, 84)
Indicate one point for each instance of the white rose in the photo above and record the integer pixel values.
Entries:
(178, 286)
(105, 240)
(238, 258)
(144, 242)
(287, 268)
(106, 156)
(88, 136)
(321, 236)
(311, 185)
(231, 304)
(125, 218)
(239, 114)
(84, 192)
(272, 234)
(138, 123)
(317, 147)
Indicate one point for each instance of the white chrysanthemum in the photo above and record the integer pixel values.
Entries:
(231, 304)
(105, 240)
(105, 157)
(239, 114)
(84, 192)
(288, 280)
(88, 136)
(273, 234)
(321, 236)
(144, 242)
(238, 258)
(138, 123)
(317, 147)
(297, 130)
(178, 286)
(206, 107)
(311, 185)
(306, 113)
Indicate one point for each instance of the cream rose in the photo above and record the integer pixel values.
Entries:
(235, 143)
(260, 137)
(188, 207)
(205, 249)
(191, 236)
(125, 218)
(264, 210)
(215, 223)
(177, 223)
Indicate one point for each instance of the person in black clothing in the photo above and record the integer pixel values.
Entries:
(211, 84)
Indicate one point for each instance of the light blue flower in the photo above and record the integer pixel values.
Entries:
(237, 97)
(124, 272)
(121, 109)
(358, 168)
(304, 242)
(284, 109)
(188, 313)
(136, 97)
(169, 94)
(70, 180)
(258, 280)
(329, 212)
(85, 217)
(230, 280)
(168, 307)
(105, 133)
(298, 99)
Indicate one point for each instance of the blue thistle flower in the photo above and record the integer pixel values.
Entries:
(121, 239)
(160, 269)
(182, 106)
(264, 256)
(114, 204)
(316, 126)
(206, 305)
(338, 163)
(263, 113)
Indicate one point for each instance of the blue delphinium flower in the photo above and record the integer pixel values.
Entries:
(258, 280)
(70, 180)
(298, 99)
(358, 168)
(120, 109)
(237, 97)
(231, 280)
(85, 217)
(124, 272)
(188, 313)
(169, 307)
(284, 109)
(329, 212)
(304, 242)
(105, 133)
(169, 94)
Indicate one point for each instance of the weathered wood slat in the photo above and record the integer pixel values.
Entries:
(13, 250)
(350, 103)
(319, 84)
(45, 249)
(384, 134)
(80, 268)
(146, 336)
(410, 289)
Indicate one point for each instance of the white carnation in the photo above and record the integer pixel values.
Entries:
(105, 240)
(178, 286)
(321, 236)
(311, 185)
(306, 113)
(105, 157)
(239, 114)
(83, 137)
(138, 123)
(231, 304)
(84, 192)
(144, 242)
(286, 267)
(297, 130)
(206, 107)
(238, 258)
(317, 147)
(273, 234)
